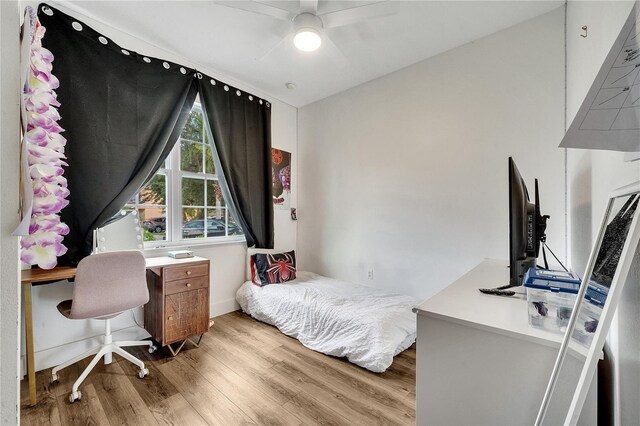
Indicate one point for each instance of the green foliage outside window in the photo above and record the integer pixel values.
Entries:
(201, 196)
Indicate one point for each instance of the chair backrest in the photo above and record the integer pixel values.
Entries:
(109, 283)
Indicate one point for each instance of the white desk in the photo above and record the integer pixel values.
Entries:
(479, 361)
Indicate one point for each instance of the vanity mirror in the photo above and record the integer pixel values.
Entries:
(602, 285)
(124, 232)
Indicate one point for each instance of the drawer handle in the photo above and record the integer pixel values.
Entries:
(188, 284)
(170, 319)
(188, 272)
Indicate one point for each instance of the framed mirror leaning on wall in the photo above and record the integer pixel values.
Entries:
(597, 300)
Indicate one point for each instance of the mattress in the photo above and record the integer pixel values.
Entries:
(366, 325)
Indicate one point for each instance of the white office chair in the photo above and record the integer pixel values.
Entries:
(106, 285)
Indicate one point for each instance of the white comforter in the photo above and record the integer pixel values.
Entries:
(366, 325)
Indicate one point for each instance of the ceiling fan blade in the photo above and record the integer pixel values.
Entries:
(259, 8)
(358, 14)
(333, 51)
(310, 6)
(288, 39)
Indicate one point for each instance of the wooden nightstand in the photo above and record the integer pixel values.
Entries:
(178, 307)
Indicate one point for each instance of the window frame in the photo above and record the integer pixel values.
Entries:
(173, 212)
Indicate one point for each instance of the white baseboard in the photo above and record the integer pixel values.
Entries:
(223, 307)
(51, 357)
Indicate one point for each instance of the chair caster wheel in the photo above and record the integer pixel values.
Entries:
(143, 372)
(54, 378)
(75, 396)
(152, 349)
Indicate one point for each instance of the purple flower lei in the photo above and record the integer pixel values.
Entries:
(45, 148)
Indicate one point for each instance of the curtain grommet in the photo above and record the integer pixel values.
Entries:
(250, 97)
(166, 65)
(77, 26)
(125, 52)
(238, 92)
(213, 82)
(183, 70)
(47, 11)
(147, 60)
(103, 40)
(226, 88)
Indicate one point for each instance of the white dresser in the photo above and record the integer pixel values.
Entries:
(479, 361)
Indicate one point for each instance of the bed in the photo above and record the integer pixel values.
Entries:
(366, 325)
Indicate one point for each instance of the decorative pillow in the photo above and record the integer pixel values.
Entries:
(250, 252)
(273, 268)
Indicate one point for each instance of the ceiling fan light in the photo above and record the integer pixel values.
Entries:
(307, 39)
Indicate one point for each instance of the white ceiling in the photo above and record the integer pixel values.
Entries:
(232, 41)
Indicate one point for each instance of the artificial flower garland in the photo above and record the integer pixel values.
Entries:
(45, 148)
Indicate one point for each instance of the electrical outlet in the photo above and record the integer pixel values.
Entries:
(370, 274)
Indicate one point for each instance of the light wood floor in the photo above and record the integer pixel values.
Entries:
(245, 372)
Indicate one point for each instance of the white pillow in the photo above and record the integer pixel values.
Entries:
(251, 252)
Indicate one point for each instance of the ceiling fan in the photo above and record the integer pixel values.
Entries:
(308, 26)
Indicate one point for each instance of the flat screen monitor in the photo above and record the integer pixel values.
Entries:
(526, 226)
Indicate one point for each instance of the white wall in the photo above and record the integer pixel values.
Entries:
(9, 154)
(591, 176)
(284, 121)
(57, 338)
(407, 174)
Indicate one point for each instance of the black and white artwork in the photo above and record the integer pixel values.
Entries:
(609, 117)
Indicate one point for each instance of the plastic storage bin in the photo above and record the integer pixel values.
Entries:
(550, 298)
(590, 313)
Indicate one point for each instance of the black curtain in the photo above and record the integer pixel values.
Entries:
(240, 130)
(123, 113)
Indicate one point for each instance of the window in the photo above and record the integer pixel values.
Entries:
(183, 201)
